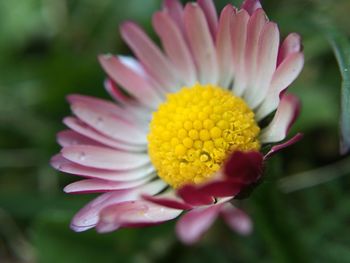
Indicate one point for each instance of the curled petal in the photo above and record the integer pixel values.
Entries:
(134, 214)
(279, 147)
(118, 95)
(286, 114)
(89, 215)
(291, 45)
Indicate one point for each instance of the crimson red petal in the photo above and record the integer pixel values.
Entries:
(244, 166)
(281, 146)
(194, 196)
(222, 188)
(167, 202)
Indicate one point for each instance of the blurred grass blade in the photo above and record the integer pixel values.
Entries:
(315, 177)
(341, 47)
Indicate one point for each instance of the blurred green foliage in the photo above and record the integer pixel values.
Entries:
(48, 49)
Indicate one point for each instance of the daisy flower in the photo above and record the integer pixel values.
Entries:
(188, 125)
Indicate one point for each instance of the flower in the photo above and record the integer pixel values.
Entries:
(186, 132)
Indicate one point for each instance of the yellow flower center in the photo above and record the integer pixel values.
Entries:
(194, 131)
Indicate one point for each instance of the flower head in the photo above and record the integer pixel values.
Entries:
(186, 132)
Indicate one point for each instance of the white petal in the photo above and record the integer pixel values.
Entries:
(88, 216)
(110, 125)
(285, 115)
(85, 130)
(104, 158)
(285, 74)
(201, 43)
(66, 166)
(134, 213)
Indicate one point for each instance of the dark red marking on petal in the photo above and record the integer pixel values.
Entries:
(168, 202)
(192, 195)
(222, 188)
(244, 166)
(286, 144)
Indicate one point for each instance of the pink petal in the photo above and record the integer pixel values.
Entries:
(134, 83)
(211, 15)
(267, 61)
(223, 188)
(175, 10)
(118, 95)
(88, 186)
(279, 147)
(66, 166)
(85, 130)
(292, 44)
(251, 5)
(239, 38)
(175, 47)
(149, 55)
(236, 219)
(286, 114)
(104, 158)
(192, 225)
(133, 107)
(201, 43)
(193, 196)
(88, 216)
(134, 214)
(255, 26)
(106, 106)
(244, 166)
(130, 113)
(69, 138)
(223, 46)
(285, 74)
(168, 199)
(109, 124)
(133, 64)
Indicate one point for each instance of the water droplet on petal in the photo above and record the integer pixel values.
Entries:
(99, 121)
(82, 156)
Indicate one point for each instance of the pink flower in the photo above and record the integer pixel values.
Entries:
(185, 133)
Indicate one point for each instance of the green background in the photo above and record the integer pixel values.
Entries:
(48, 49)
